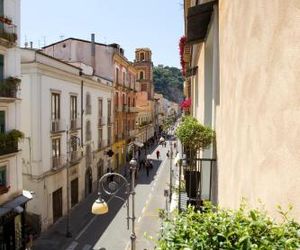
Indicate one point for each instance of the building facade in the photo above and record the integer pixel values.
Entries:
(125, 111)
(243, 79)
(66, 118)
(12, 198)
(145, 99)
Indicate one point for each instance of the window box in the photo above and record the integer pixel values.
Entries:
(9, 87)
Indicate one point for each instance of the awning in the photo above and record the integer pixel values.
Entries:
(198, 19)
(14, 204)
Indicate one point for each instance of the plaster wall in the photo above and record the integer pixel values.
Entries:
(258, 119)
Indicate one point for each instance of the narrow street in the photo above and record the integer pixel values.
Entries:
(109, 231)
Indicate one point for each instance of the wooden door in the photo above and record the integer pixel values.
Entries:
(57, 204)
(74, 192)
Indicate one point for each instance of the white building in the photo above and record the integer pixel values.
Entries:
(12, 200)
(66, 118)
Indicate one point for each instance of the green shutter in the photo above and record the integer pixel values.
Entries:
(2, 121)
(1, 13)
(1, 67)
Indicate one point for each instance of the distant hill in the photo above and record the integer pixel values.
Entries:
(169, 82)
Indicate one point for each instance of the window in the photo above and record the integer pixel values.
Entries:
(74, 143)
(128, 101)
(142, 56)
(117, 99)
(109, 110)
(88, 133)
(55, 106)
(1, 64)
(2, 121)
(124, 99)
(100, 137)
(3, 182)
(141, 75)
(124, 77)
(117, 75)
(133, 102)
(108, 135)
(100, 107)
(88, 104)
(73, 107)
(56, 147)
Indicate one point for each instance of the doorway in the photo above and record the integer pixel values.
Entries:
(74, 192)
(88, 181)
(57, 204)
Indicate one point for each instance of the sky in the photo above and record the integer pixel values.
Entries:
(156, 24)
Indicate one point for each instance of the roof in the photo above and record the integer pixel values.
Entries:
(76, 39)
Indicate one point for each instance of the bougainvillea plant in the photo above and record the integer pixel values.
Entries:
(182, 43)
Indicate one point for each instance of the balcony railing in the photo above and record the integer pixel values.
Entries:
(9, 87)
(75, 156)
(101, 121)
(88, 109)
(8, 33)
(102, 144)
(58, 162)
(125, 108)
(57, 125)
(133, 132)
(75, 124)
(118, 108)
(133, 109)
(109, 120)
(9, 142)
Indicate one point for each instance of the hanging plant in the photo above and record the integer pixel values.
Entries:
(182, 43)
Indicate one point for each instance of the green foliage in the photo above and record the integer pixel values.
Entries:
(9, 141)
(218, 228)
(194, 135)
(169, 82)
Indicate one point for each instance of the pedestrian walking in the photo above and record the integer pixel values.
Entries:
(168, 153)
(175, 145)
(157, 154)
(147, 168)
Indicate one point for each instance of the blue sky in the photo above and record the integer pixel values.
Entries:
(157, 24)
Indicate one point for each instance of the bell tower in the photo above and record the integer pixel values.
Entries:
(144, 66)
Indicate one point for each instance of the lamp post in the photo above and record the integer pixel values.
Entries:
(73, 139)
(171, 155)
(100, 206)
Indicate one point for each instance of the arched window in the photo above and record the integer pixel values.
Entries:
(141, 75)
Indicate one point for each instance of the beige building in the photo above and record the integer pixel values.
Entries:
(243, 78)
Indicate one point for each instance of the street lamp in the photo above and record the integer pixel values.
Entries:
(100, 206)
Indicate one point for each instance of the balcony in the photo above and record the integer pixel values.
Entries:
(133, 109)
(75, 156)
(58, 125)
(9, 88)
(109, 120)
(9, 142)
(102, 144)
(119, 108)
(75, 124)
(125, 108)
(101, 121)
(132, 133)
(58, 162)
(8, 35)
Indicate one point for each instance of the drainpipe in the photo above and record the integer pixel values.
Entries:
(93, 52)
(82, 112)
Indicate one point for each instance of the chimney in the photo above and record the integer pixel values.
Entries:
(93, 52)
